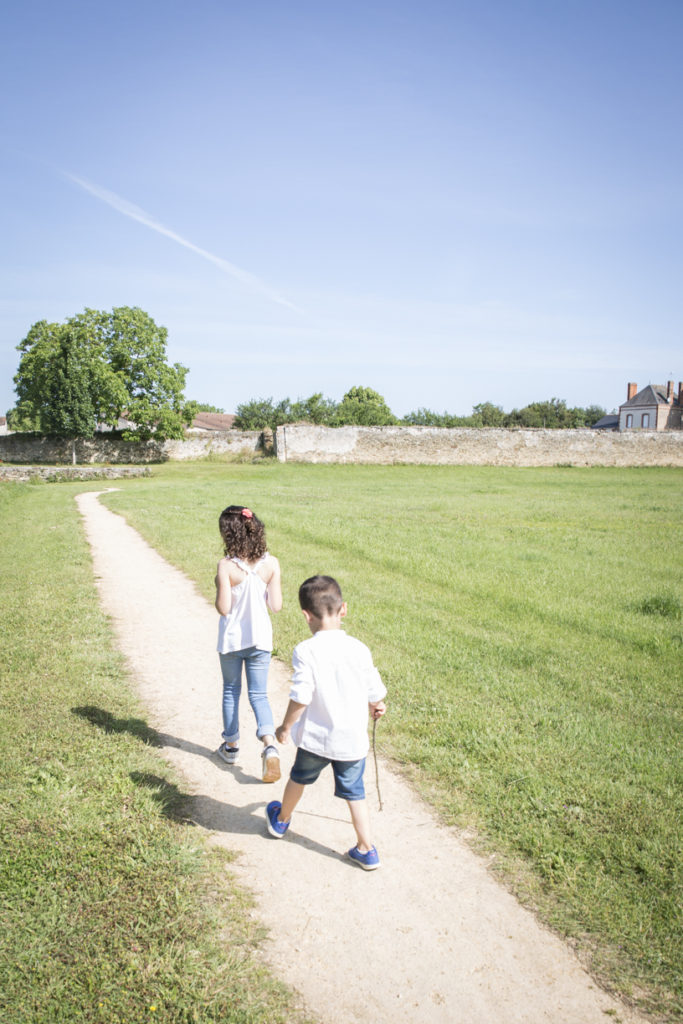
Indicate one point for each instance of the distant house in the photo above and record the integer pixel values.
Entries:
(655, 407)
(609, 422)
(4, 429)
(206, 422)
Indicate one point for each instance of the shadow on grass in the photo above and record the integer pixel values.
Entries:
(105, 721)
(194, 809)
(172, 802)
(136, 727)
(216, 816)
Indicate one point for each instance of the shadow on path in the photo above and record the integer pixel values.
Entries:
(140, 730)
(197, 809)
(216, 816)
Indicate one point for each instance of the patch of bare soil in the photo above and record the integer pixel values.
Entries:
(430, 937)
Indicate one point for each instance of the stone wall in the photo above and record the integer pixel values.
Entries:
(382, 445)
(478, 447)
(28, 448)
(61, 473)
(224, 442)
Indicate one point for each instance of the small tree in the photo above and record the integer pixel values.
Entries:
(586, 417)
(261, 414)
(489, 415)
(22, 418)
(363, 407)
(315, 409)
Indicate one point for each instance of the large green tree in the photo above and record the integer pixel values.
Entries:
(69, 410)
(95, 368)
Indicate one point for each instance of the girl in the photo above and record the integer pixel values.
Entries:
(247, 585)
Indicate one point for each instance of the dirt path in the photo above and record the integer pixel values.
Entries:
(430, 937)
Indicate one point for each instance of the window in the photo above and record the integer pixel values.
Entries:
(646, 420)
(629, 420)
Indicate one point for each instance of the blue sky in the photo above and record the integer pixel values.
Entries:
(450, 202)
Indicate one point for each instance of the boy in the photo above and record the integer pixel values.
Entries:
(333, 683)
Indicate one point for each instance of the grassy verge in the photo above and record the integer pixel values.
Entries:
(111, 907)
(528, 626)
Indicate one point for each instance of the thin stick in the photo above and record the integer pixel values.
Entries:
(374, 751)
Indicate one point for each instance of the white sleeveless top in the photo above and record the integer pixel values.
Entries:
(247, 624)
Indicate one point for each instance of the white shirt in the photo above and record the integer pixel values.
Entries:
(335, 677)
(247, 624)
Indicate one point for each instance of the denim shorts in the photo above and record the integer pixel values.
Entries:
(348, 775)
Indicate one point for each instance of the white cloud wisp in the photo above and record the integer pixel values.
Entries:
(136, 213)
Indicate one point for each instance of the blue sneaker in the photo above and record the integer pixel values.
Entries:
(275, 827)
(368, 861)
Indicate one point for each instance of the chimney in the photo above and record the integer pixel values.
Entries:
(680, 393)
(632, 392)
(670, 392)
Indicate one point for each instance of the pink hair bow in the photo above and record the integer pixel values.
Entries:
(247, 513)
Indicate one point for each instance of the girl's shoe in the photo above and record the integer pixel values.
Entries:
(228, 754)
(271, 765)
(368, 861)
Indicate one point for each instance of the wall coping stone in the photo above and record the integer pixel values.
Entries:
(20, 474)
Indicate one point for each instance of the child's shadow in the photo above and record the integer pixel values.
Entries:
(136, 727)
(105, 721)
(186, 808)
(216, 816)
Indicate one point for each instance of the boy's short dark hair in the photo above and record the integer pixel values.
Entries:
(320, 595)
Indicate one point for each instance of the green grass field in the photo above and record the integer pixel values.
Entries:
(112, 909)
(526, 622)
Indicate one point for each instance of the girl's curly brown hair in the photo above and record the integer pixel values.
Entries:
(244, 535)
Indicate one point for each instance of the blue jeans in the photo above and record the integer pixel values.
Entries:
(256, 665)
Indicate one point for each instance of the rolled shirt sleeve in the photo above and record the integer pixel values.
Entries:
(303, 682)
(376, 688)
